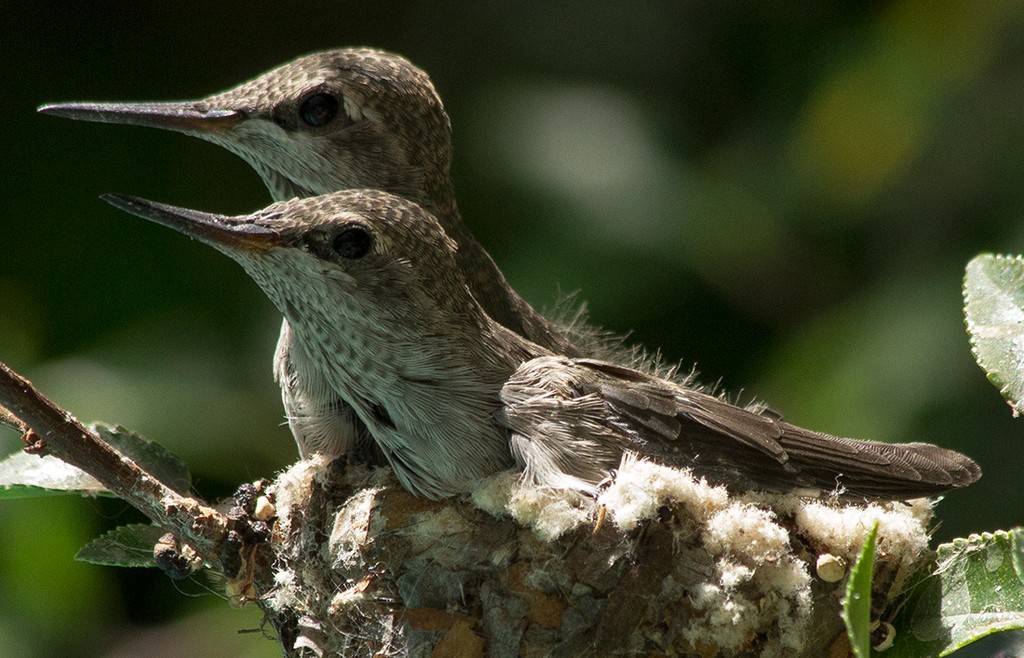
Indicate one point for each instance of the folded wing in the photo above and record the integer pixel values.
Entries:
(571, 421)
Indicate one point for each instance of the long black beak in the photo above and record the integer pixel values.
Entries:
(181, 117)
(232, 233)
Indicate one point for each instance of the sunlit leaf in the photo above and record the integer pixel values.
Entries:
(24, 476)
(975, 588)
(857, 602)
(994, 308)
(28, 476)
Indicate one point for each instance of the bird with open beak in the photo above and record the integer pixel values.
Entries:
(371, 287)
(334, 120)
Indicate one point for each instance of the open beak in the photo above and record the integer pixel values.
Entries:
(230, 233)
(181, 117)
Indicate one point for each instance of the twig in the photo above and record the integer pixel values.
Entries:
(52, 430)
(12, 421)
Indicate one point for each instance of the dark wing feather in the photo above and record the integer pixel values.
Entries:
(748, 449)
(649, 400)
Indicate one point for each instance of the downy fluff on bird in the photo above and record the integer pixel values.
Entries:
(372, 291)
(333, 120)
(450, 373)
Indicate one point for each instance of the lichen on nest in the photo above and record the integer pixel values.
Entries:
(658, 562)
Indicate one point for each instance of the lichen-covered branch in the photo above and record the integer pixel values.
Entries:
(51, 430)
(349, 563)
(12, 421)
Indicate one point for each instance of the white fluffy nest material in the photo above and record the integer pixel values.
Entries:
(658, 563)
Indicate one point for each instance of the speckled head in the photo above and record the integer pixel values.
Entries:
(380, 310)
(343, 119)
(362, 253)
(347, 118)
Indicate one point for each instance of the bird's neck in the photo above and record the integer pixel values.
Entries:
(428, 393)
(446, 339)
(486, 282)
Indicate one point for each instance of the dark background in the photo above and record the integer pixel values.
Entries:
(783, 193)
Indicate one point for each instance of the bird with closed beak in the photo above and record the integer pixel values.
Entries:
(373, 293)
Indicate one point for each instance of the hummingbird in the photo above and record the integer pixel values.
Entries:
(372, 290)
(328, 121)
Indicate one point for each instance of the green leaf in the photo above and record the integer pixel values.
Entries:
(994, 309)
(151, 456)
(127, 546)
(974, 588)
(857, 603)
(27, 476)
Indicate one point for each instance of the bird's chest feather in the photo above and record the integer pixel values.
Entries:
(436, 427)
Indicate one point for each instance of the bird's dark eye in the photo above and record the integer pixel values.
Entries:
(353, 242)
(319, 109)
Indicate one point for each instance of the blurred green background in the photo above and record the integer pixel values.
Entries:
(784, 194)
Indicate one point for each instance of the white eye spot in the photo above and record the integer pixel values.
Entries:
(371, 115)
(353, 109)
